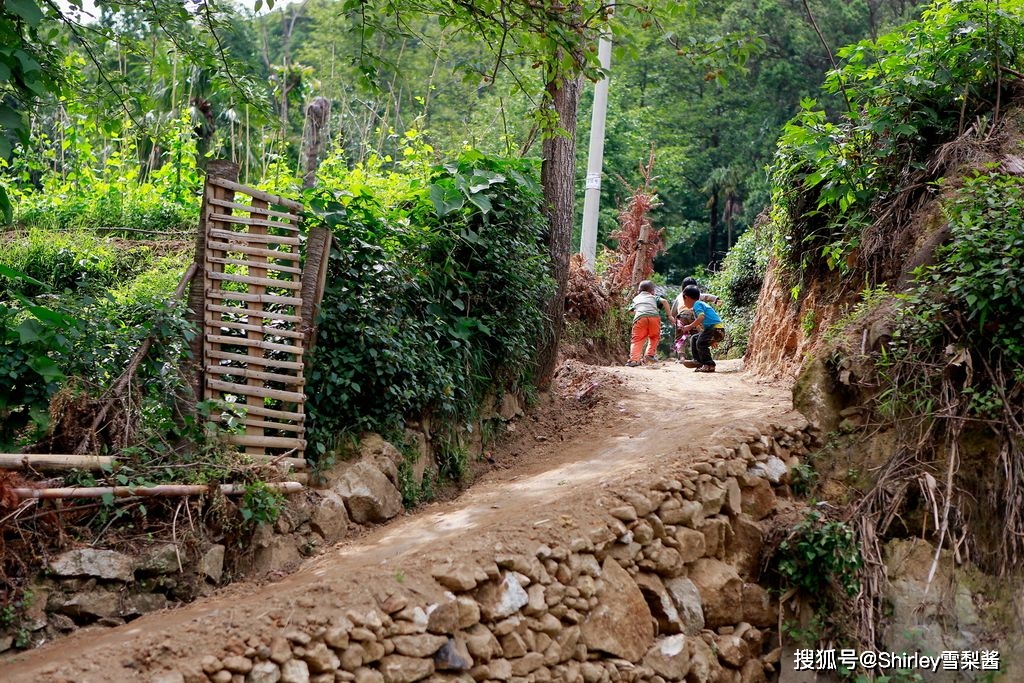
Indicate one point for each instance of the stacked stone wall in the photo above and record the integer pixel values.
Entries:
(656, 580)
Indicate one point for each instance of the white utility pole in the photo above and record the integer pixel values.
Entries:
(595, 156)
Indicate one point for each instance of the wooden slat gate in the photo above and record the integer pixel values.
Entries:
(256, 301)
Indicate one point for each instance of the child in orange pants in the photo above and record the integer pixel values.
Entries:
(646, 322)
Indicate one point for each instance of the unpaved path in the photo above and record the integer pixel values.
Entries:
(645, 415)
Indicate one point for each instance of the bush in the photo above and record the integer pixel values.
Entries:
(431, 301)
(738, 283)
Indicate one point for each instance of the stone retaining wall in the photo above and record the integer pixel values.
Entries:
(661, 588)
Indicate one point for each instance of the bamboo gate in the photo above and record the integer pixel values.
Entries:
(255, 299)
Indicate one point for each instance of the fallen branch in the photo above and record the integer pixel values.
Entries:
(151, 491)
(119, 386)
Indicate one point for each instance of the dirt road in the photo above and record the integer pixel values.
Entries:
(643, 416)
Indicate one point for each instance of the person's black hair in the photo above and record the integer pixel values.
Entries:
(691, 292)
(646, 286)
(687, 282)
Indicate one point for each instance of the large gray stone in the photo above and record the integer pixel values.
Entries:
(329, 517)
(621, 624)
(161, 559)
(384, 456)
(688, 604)
(97, 603)
(659, 601)
(499, 599)
(102, 564)
(368, 494)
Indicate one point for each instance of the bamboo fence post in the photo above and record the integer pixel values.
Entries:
(218, 168)
(314, 279)
(255, 350)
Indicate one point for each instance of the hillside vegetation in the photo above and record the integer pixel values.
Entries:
(894, 291)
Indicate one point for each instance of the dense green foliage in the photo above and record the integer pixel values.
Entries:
(971, 299)
(817, 554)
(434, 299)
(908, 92)
(738, 283)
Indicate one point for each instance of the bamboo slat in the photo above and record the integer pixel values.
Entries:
(53, 461)
(247, 220)
(279, 254)
(255, 374)
(249, 422)
(254, 209)
(272, 413)
(258, 194)
(161, 490)
(252, 313)
(294, 463)
(266, 265)
(254, 343)
(263, 362)
(253, 298)
(265, 441)
(258, 281)
(263, 329)
(262, 392)
(247, 237)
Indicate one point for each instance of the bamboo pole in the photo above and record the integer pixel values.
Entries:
(255, 374)
(154, 491)
(263, 211)
(265, 239)
(280, 254)
(252, 313)
(255, 338)
(265, 441)
(250, 422)
(257, 194)
(225, 340)
(256, 281)
(254, 264)
(294, 463)
(271, 331)
(254, 298)
(243, 220)
(54, 461)
(265, 362)
(277, 414)
(261, 392)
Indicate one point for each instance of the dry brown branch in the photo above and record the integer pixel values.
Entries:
(117, 391)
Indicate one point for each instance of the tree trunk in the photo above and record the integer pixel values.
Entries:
(557, 175)
(314, 138)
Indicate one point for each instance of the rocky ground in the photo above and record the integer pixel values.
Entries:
(610, 426)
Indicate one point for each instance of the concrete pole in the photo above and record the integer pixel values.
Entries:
(595, 156)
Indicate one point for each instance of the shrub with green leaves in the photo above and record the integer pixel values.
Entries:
(432, 300)
(739, 284)
(820, 554)
(971, 298)
(908, 92)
